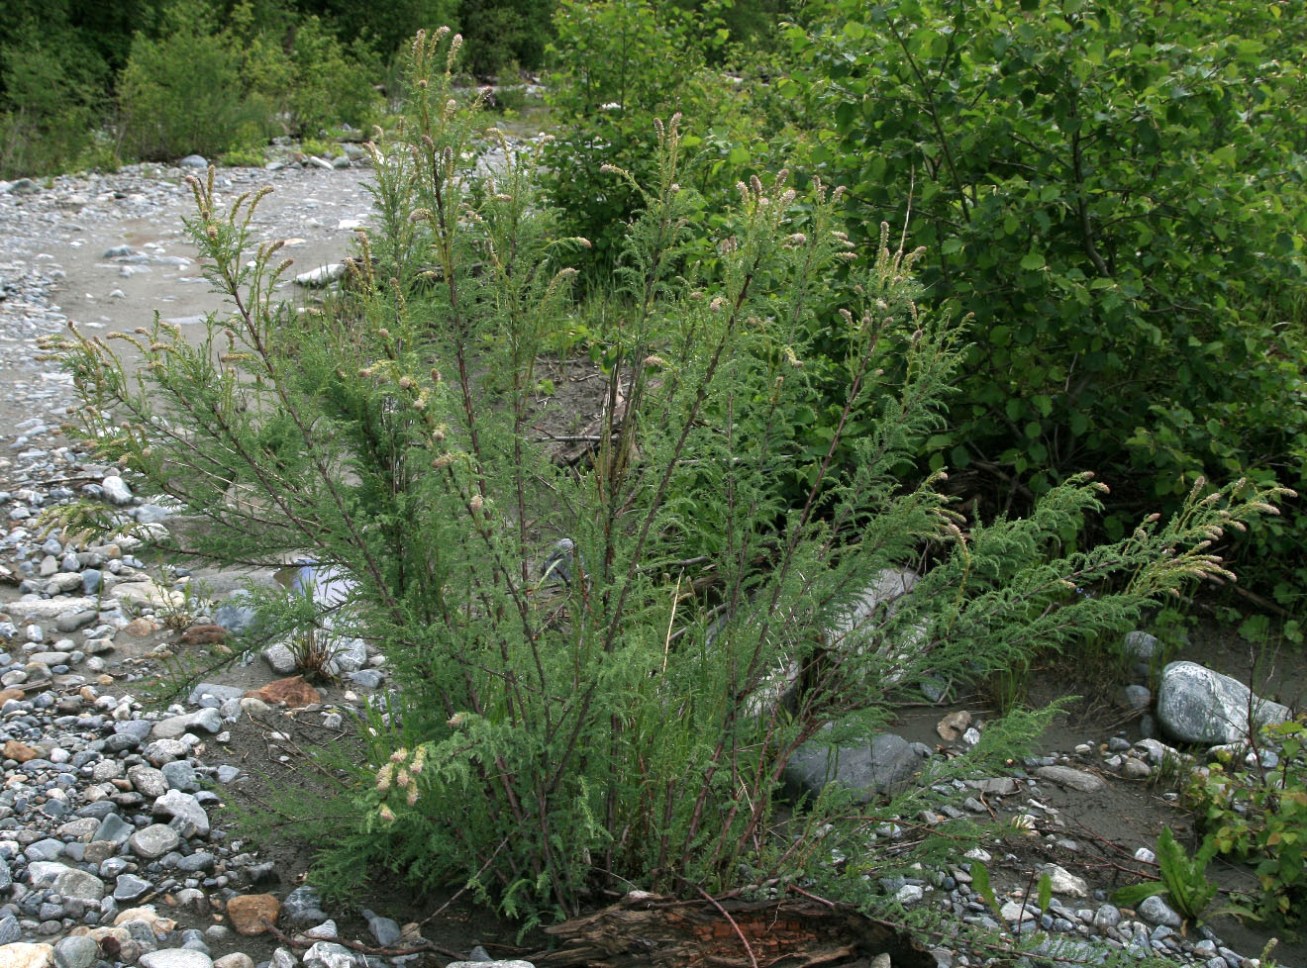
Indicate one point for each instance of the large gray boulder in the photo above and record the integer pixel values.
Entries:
(885, 765)
(1197, 705)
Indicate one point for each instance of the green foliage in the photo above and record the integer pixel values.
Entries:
(1116, 191)
(244, 158)
(625, 720)
(203, 89)
(1184, 879)
(50, 96)
(750, 25)
(330, 83)
(504, 33)
(1261, 817)
(980, 883)
(622, 64)
(183, 93)
(388, 28)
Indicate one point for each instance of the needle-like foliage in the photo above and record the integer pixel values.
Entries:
(624, 717)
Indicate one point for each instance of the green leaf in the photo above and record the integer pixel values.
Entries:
(1032, 261)
(980, 884)
(1132, 894)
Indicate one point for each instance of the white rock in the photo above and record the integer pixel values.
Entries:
(20, 954)
(858, 624)
(39, 610)
(148, 592)
(188, 817)
(1017, 911)
(1070, 777)
(909, 894)
(328, 954)
(1197, 705)
(322, 276)
(1063, 881)
(116, 489)
(209, 720)
(176, 958)
(280, 657)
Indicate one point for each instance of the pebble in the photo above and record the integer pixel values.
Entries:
(1154, 910)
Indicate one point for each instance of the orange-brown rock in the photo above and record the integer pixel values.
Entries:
(141, 627)
(7, 694)
(294, 692)
(253, 913)
(204, 635)
(14, 750)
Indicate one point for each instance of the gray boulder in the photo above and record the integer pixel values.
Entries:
(1141, 646)
(1197, 705)
(75, 884)
(209, 720)
(347, 655)
(884, 765)
(236, 614)
(188, 817)
(303, 906)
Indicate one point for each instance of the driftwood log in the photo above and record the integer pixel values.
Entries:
(648, 931)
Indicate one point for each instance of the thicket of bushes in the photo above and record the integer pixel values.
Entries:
(623, 716)
(1115, 194)
(93, 85)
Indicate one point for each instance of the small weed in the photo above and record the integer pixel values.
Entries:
(1008, 687)
(318, 148)
(245, 157)
(313, 650)
(1174, 773)
(1184, 878)
(1260, 817)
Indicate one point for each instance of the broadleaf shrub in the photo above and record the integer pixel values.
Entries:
(182, 93)
(50, 100)
(1260, 817)
(1116, 192)
(618, 66)
(603, 668)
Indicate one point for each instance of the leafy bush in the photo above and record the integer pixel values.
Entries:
(1261, 817)
(330, 82)
(608, 713)
(182, 93)
(622, 64)
(388, 28)
(1116, 191)
(202, 89)
(503, 33)
(50, 101)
